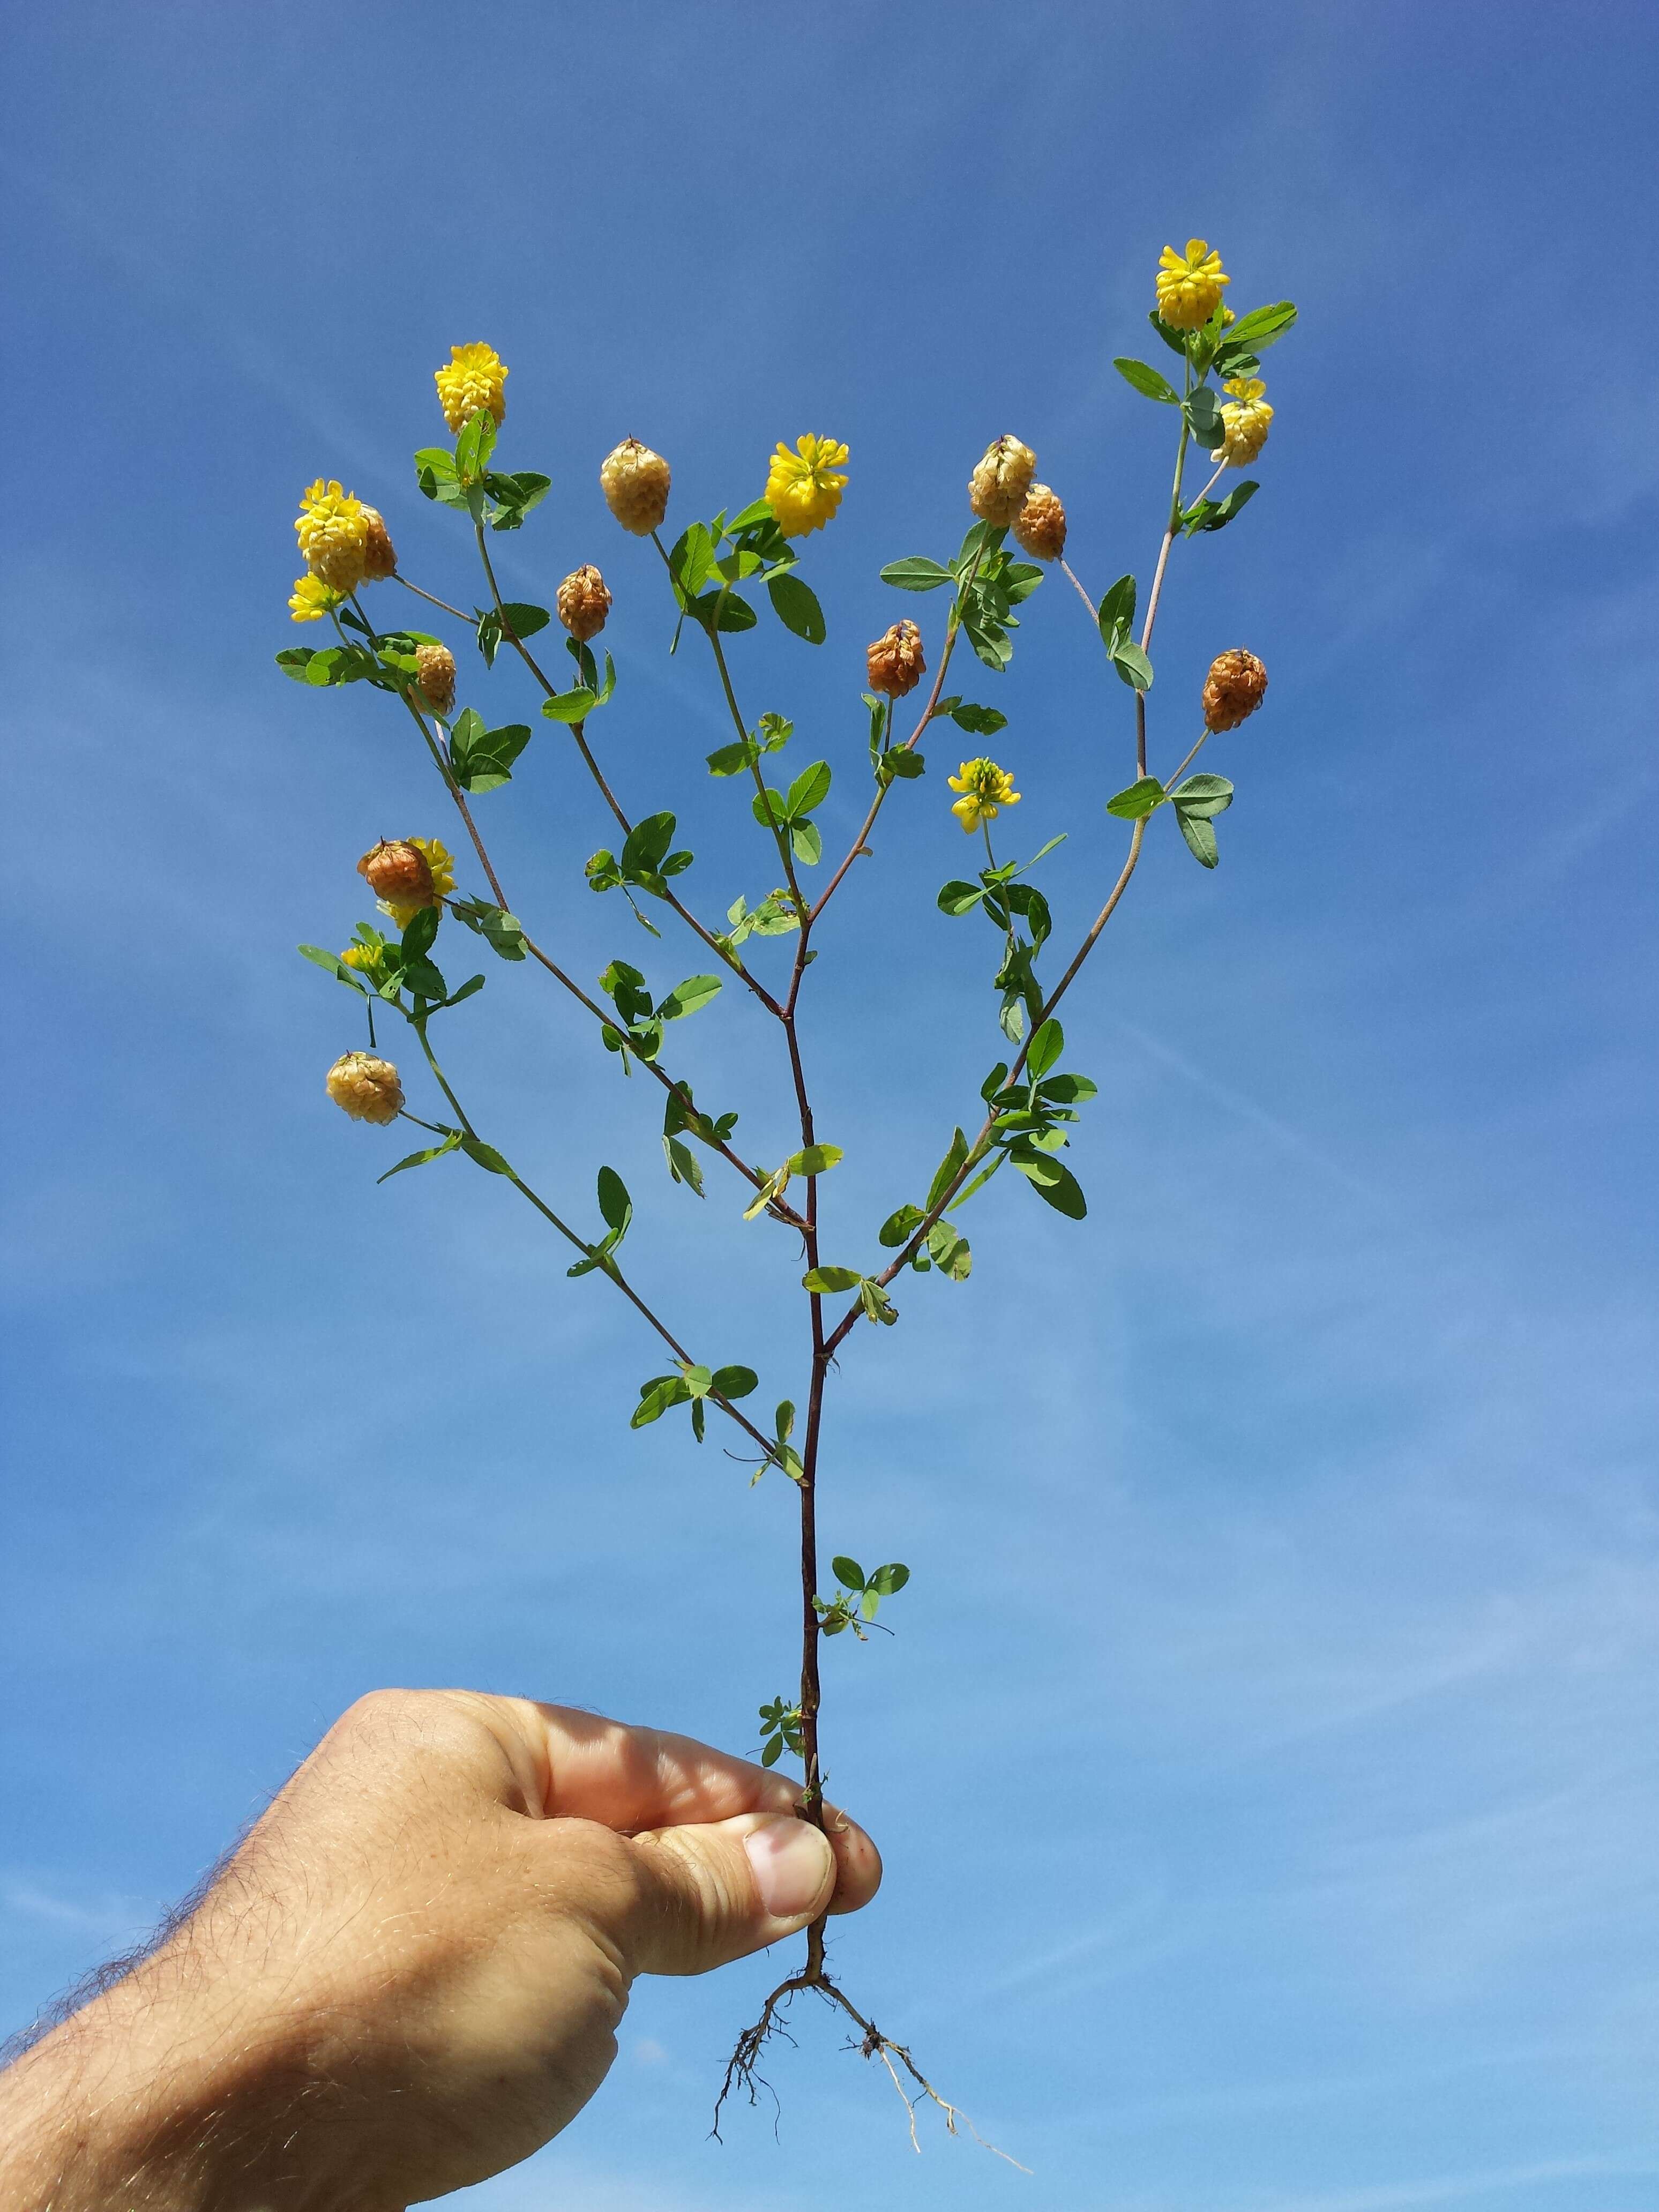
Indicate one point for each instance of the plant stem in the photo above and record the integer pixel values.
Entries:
(578, 731)
(607, 1266)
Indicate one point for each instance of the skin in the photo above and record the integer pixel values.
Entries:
(411, 1973)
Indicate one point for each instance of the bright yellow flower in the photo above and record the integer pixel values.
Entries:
(368, 959)
(984, 789)
(1244, 418)
(802, 489)
(312, 598)
(333, 533)
(442, 862)
(1189, 285)
(474, 376)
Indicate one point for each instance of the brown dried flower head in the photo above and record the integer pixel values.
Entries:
(366, 1088)
(1234, 687)
(1040, 526)
(379, 555)
(435, 672)
(894, 660)
(997, 488)
(583, 603)
(634, 481)
(399, 873)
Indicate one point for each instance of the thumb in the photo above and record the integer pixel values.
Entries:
(711, 1893)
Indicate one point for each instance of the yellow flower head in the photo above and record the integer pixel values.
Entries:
(984, 789)
(332, 528)
(1244, 420)
(442, 862)
(802, 489)
(367, 959)
(311, 599)
(1189, 285)
(474, 376)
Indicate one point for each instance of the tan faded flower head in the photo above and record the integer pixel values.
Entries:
(403, 905)
(474, 376)
(366, 1088)
(634, 481)
(1189, 285)
(1244, 421)
(434, 675)
(894, 661)
(312, 598)
(380, 555)
(803, 489)
(583, 603)
(997, 488)
(333, 534)
(986, 789)
(397, 870)
(1040, 526)
(1234, 687)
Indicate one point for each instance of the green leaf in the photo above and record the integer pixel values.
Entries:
(732, 760)
(982, 722)
(1133, 665)
(1117, 611)
(917, 573)
(1202, 795)
(1256, 331)
(685, 998)
(1217, 513)
(772, 1751)
(520, 619)
(806, 842)
(814, 1159)
(656, 1397)
(948, 1248)
(502, 931)
(482, 760)
(768, 809)
(1047, 1042)
(847, 1572)
(809, 790)
(683, 1163)
(888, 1581)
(1147, 381)
(899, 1225)
(420, 1159)
(647, 844)
(295, 660)
(335, 965)
(959, 897)
(947, 1170)
(1139, 800)
(1068, 1089)
(570, 706)
(1203, 412)
(734, 1381)
(1053, 1181)
(796, 607)
(474, 447)
(904, 762)
(485, 1155)
(616, 1207)
(1200, 838)
(831, 1278)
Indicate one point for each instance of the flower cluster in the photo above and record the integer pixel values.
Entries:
(803, 489)
(474, 376)
(985, 790)
(366, 1087)
(634, 481)
(332, 528)
(1234, 687)
(1245, 419)
(997, 488)
(1189, 285)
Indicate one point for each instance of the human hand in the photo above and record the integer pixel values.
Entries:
(411, 1974)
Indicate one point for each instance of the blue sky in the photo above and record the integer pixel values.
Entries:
(1265, 1764)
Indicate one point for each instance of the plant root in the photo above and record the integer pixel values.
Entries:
(742, 2067)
